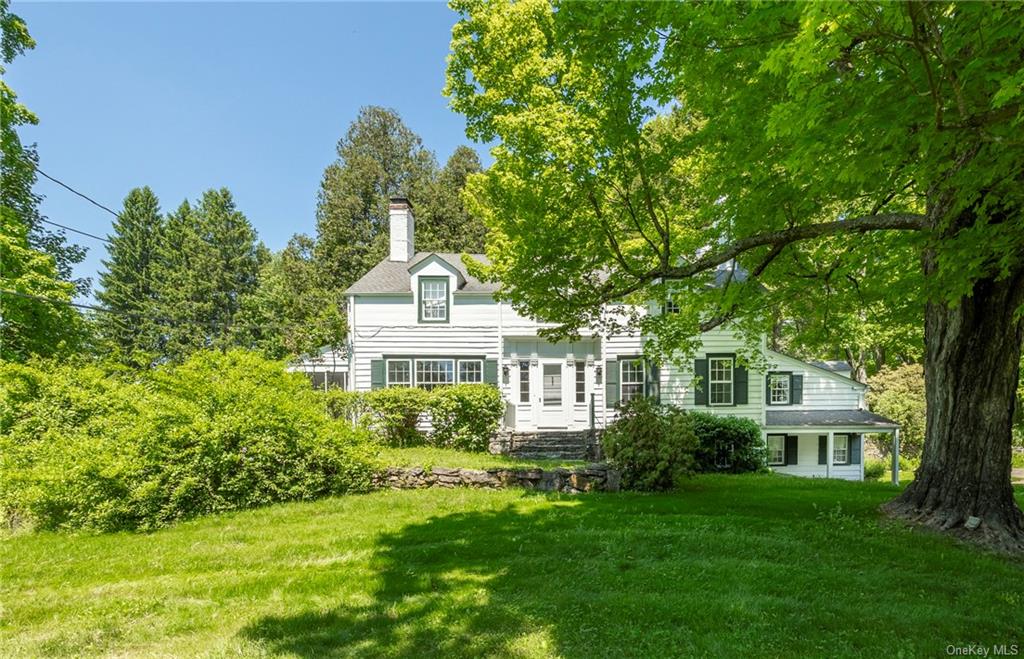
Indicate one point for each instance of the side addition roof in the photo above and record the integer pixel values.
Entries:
(393, 276)
(818, 418)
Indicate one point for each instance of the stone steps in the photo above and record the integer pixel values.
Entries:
(550, 444)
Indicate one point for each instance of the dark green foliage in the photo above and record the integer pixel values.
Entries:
(898, 393)
(727, 443)
(393, 414)
(465, 416)
(443, 223)
(127, 284)
(87, 446)
(653, 445)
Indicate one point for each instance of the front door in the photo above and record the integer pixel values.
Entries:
(551, 398)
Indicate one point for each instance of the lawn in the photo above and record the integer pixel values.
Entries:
(731, 565)
(426, 456)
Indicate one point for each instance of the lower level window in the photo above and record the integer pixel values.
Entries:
(432, 373)
(471, 370)
(631, 379)
(399, 373)
(841, 449)
(776, 450)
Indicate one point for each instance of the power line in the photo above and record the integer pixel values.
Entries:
(84, 233)
(80, 194)
(29, 296)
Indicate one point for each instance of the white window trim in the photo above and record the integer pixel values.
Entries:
(387, 373)
(458, 370)
(768, 441)
(731, 381)
(622, 380)
(446, 284)
(835, 449)
(788, 379)
(526, 382)
(576, 382)
(455, 374)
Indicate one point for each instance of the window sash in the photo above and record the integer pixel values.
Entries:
(581, 382)
(394, 373)
(524, 382)
(431, 373)
(841, 449)
(778, 388)
(720, 380)
(776, 450)
(434, 299)
(632, 378)
(471, 371)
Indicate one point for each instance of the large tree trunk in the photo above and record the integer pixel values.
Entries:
(972, 358)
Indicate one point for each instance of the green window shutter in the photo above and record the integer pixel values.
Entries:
(491, 371)
(611, 383)
(855, 442)
(822, 449)
(700, 392)
(377, 374)
(740, 385)
(791, 449)
(654, 382)
(767, 389)
(796, 389)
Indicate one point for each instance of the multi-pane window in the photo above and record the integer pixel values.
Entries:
(841, 449)
(631, 379)
(720, 380)
(524, 382)
(471, 370)
(581, 382)
(776, 449)
(671, 306)
(778, 389)
(432, 373)
(399, 373)
(434, 299)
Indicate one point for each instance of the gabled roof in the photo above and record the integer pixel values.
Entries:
(824, 370)
(836, 366)
(835, 418)
(393, 276)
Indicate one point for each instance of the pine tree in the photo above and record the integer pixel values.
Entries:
(127, 287)
(443, 224)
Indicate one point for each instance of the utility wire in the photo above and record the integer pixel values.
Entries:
(82, 195)
(84, 233)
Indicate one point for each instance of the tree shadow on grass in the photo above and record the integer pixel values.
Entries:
(701, 572)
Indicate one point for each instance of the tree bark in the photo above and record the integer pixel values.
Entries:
(972, 361)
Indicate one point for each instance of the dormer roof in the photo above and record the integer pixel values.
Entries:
(390, 277)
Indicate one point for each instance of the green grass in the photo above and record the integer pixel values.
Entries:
(426, 456)
(730, 566)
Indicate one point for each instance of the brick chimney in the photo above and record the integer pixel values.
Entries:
(402, 228)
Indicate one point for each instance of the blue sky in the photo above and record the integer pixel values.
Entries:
(185, 97)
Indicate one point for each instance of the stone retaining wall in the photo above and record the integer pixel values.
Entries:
(590, 478)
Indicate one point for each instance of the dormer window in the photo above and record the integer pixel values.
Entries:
(433, 299)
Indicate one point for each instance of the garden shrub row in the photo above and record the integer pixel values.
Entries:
(97, 447)
(462, 416)
(659, 446)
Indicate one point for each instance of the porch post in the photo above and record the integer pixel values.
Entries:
(829, 453)
(896, 456)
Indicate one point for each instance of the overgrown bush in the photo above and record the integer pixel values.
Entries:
(91, 446)
(465, 416)
(344, 405)
(875, 469)
(392, 414)
(727, 443)
(653, 445)
(898, 393)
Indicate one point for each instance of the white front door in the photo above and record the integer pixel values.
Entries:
(549, 402)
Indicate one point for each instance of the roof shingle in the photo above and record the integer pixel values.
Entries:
(393, 276)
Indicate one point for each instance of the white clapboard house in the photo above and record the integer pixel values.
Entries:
(420, 319)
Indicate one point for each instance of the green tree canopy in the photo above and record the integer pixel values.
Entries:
(744, 158)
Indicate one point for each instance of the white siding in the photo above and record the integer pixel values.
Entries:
(807, 462)
(823, 390)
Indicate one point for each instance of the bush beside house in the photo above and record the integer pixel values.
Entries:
(98, 447)
(727, 444)
(654, 446)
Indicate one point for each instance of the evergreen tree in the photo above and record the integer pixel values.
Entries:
(443, 224)
(127, 282)
(379, 157)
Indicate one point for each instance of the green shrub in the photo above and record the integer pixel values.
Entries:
(465, 416)
(87, 446)
(1017, 460)
(875, 469)
(653, 445)
(392, 414)
(898, 393)
(727, 443)
(344, 405)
